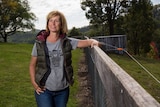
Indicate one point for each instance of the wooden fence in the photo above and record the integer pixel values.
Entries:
(112, 86)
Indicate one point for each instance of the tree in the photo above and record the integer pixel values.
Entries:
(156, 15)
(156, 34)
(15, 16)
(74, 32)
(139, 26)
(103, 12)
(156, 12)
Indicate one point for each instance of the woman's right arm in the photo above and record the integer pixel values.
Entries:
(32, 68)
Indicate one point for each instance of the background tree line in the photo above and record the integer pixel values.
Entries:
(138, 19)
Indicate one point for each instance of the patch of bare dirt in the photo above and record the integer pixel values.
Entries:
(84, 95)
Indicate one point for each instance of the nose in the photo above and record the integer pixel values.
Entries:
(53, 22)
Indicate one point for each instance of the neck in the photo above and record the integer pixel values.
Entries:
(54, 34)
(53, 37)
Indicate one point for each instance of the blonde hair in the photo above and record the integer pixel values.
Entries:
(64, 28)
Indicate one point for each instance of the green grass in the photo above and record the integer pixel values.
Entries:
(15, 86)
(140, 75)
(76, 55)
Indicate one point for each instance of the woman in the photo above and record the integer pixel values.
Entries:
(50, 67)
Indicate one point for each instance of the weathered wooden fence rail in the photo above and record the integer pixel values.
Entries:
(112, 86)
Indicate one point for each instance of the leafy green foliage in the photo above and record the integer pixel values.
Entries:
(139, 26)
(156, 12)
(15, 16)
(156, 16)
(103, 12)
(74, 32)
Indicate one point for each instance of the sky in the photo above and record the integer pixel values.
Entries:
(75, 16)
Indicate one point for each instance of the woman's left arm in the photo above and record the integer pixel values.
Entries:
(87, 43)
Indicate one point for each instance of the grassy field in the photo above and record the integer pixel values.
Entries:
(140, 75)
(15, 87)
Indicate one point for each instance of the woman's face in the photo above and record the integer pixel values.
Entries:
(54, 24)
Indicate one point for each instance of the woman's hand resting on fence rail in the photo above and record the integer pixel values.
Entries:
(94, 43)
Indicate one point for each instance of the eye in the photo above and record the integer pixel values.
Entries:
(57, 21)
(54, 21)
(51, 20)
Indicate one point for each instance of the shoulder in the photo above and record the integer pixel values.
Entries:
(73, 39)
(42, 35)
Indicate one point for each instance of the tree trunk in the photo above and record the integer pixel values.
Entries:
(5, 38)
(111, 27)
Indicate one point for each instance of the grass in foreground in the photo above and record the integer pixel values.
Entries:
(140, 75)
(15, 87)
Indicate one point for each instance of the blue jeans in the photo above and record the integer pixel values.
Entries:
(52, 98)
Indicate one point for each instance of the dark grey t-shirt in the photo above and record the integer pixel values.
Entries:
(56, 80)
